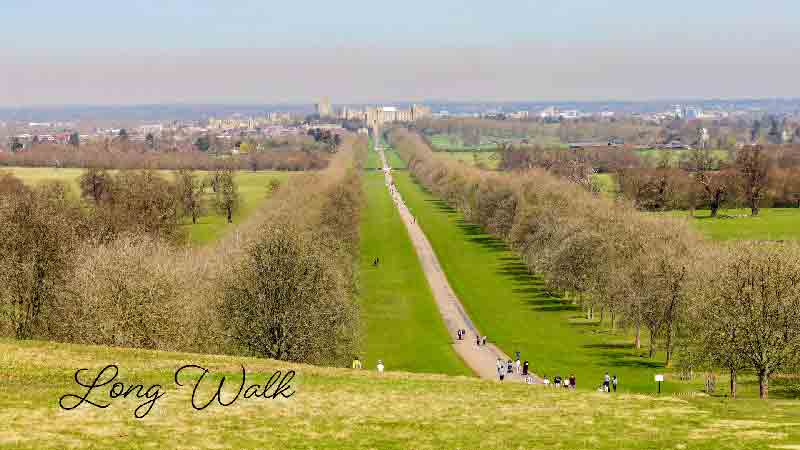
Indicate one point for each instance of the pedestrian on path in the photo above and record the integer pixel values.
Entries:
(518, 365)
(525, 368)
(478, 341)
(380, 366)
(484, 340)
(546, 381)
(572, 381)
(607, 383)
(510, 367)
(614, 382)
(356, 363)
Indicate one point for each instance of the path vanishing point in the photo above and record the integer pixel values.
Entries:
(481, 359)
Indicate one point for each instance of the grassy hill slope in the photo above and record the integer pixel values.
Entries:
(345, 409)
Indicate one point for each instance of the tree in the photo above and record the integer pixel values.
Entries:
(38, 239)
(202, 143)
(288, 300)
(716, 184)
(227, 198)
(75, 139)
(95, 184)
(150, 141)
(190, 192)
(753, 167)
(15, 144)
(751, 309)
(775, 135)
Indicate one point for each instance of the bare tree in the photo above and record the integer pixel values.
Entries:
(190, 192)
(751, 309)
(36, 246)
(227, 198)
(753, 165)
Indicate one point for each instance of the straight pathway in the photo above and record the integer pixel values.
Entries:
(481, 359)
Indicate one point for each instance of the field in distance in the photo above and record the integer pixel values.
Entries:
(346, 409)
(253, 188)
(772, 224)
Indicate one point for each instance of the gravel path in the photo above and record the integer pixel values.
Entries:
(481, 359)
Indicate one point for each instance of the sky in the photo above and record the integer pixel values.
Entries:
(201, 51)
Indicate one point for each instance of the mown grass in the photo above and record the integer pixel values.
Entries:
(253, 188)
(487, 159)
(772, 224)
(402, 325)
(346, 409)
(514, 309)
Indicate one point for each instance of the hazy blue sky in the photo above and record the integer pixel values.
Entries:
(148, 51)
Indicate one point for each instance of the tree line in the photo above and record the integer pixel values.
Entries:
(729, 307)
(107, 271)
(123, 156)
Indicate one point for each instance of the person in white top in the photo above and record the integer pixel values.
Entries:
(380, 366)
(519, 364)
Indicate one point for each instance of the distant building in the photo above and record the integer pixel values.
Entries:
(324, 108)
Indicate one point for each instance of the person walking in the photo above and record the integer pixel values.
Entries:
(510, 367)
(614, 382)
(525, 368)
(478, 341)
(501, 373)
(607, 383)
(572, 381)
(484, 340)
(546, 381)
(518, 368)
(356, 363)
(380, 366)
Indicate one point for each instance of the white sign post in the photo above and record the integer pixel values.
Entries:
(659, 379)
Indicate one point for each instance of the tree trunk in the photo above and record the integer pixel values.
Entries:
(230, 215)
(638, 341)
(668, 362)
(714, 209)
(602, 315)
(652, 343)
(733, 383)
(613, 321)
(763, 384)
(194, 217)
(755, 209)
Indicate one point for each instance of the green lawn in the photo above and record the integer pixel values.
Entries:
(772, 224)
(346, 409)
(489, 160)
(402, 325)
(675, 156)
(511, 307)
(253, 188)
(455, 142)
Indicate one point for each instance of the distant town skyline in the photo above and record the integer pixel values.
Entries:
(358, 52)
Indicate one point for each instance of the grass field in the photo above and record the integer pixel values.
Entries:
(772, 224)
(452, 141)
(252, 188)
(675, 156)
(402, 325)
(345, 409)
(488, 159)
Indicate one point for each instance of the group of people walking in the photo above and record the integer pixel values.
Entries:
(516, 367)
(609, 383)
(570, 382)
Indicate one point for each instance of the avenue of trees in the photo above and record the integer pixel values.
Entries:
(643, 272)
(112, 269)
